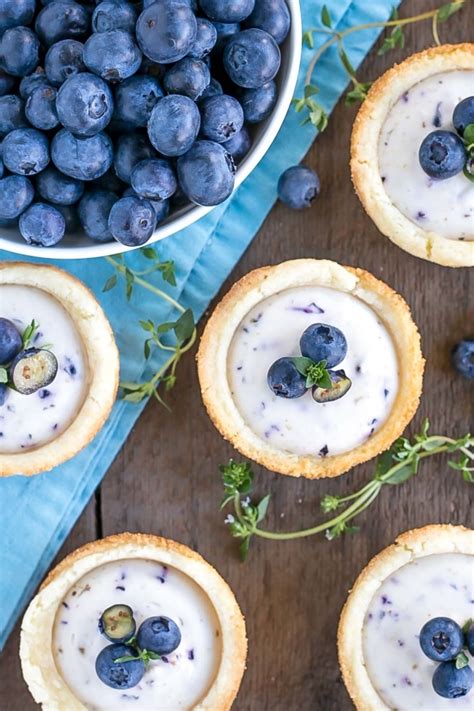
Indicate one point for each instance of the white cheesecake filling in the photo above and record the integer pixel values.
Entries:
(271, 330)
(434, 586)
(177, 681)
(28, 421)
(445, 207)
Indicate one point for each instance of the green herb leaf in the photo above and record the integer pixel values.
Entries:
(445, 11)
(3, 375)
(149, 253)
(167, 270)
(110, 283)
(326, 17)
(468, 135)
(129, 282)
(237, 477)
(184, 326)
(28, 333)
(262, 508)
(244, 549)
(302, 364)
(467, 625)
(310, 90)
(405, 473)
(308, 39)
(462, 660)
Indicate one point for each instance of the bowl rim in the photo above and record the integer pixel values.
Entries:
(195, 212)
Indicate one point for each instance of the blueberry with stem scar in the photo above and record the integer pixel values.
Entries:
(441, 639)
(159, 635)
(119, 674)
(285, 380)
(320, 341)
(32, 369)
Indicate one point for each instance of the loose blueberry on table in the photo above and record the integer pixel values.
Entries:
(84, 93)
(463, 358)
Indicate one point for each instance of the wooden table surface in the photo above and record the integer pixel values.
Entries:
(166, 479)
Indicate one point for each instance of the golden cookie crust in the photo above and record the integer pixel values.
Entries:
(364, 155)
(103, 364)
(39, 670)
(267, 281)
(410, 545)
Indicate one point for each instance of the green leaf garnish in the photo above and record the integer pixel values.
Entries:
(28, 334)
(468, 136)
(3, 375)
(315, 373)
(462, 660)
(446, 11)
(326, 17)
(397, 465)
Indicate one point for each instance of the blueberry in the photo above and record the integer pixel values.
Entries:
(251, 58)
(442, 154)
(16, 193)
(441, 639)
(42, 224)
(85, 104)
(7, 83)
(298, 187)
(230, 11)
(206, 38)
(161, 207)
(451, 683)
(30, 82)
(174, 125)
(259, 103)
(117, 623)
(122, 675)
(132, 221)
(340, 385)
(239, 145)
(12, 114)
(94, 210)
(463, 358)
(285, 380)
(62, 20)
(10, 341)
(14, 13)
(40, 108)
(206, 173)
(130, 150)
(135, 98)
(323, 342)
(154, 179)
(82, 158)
(221, 118)
(19, 51)
(114, 15)
(470, 638)
(63, 60)
(25, 151)
(159, 635)
(463, 114)
(189, 77)
(112, 55)
(71, 218)
(109, 181)
(214, 88)
(166, 31)
(272, 16)
(58, 188)
(33, 369)
(225, 30)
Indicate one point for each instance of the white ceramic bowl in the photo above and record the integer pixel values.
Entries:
(80, 247)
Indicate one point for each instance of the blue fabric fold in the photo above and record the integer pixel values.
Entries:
(37, 514)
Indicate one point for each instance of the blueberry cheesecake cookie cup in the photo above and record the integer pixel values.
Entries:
(133, 621)
(406, 633)
(412, 154)
(59, 367)
(310, 368)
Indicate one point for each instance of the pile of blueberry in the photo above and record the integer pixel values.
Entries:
(27, 370)
(322, 347)
(113, 113)
(443, 640)
(443, 154)
(121, 665)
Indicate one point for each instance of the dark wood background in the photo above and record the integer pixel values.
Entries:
(166, 478)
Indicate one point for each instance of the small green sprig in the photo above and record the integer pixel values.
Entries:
(182, 331)
(315, 373)
(143, 654)
(315, 113)
(468, 138)
(393, 467)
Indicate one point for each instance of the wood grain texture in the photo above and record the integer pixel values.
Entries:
(166, 478)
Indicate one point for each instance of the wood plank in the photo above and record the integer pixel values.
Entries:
(166, 478)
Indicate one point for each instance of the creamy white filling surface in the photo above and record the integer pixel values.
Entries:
(177, 681)
(434, 586)
(442, 206)
(27, 421)
(271, 330)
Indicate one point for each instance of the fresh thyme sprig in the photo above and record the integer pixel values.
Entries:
(315, 373)
(393, 467)
(183, 330)
(315, 113)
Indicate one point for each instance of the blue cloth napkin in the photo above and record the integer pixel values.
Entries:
(37, 514)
